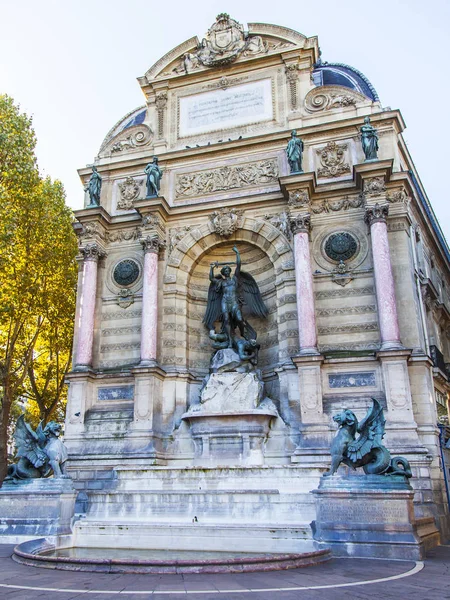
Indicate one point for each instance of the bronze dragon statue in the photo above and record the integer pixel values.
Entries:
(368, 450)
(40, 452)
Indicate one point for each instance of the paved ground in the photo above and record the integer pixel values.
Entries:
(338, 579)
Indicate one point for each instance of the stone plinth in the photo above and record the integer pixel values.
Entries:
(232, 421)
(368, 516)
(36, 508)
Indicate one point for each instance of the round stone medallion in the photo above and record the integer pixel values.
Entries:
(126, 272)
(341, 246)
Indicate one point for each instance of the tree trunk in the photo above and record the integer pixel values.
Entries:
(5, 412)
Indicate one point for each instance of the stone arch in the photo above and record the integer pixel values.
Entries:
(181, 263)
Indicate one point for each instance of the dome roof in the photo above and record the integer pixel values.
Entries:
(326, 73)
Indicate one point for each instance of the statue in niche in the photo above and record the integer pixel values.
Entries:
(369, 140)
(294, 152)
(154, 176)
(368, 450)
(226, 297)
(40, 452)
(94, 187)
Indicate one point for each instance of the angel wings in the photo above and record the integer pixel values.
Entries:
(248, 298)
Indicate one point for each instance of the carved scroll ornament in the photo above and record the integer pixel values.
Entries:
(331, 97)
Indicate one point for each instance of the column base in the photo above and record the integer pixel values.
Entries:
(148, 362)
(308, 351)
(391, 346)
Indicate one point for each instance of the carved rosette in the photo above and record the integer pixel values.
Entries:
(161, 103)
(376, 214)
(300, 224)
(332, 159)
(298, 198)
(292, 77)
(152, 243)
(227, 220)
(92, 252)
(129, 191)
(375, 186)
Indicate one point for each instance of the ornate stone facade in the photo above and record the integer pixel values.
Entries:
(355, 296)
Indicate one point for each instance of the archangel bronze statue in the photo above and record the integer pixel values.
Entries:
(94, 187)
(368, 450)
(154, 176)
(40, 452)
(294, 152)
(228, 295)
(369, 140)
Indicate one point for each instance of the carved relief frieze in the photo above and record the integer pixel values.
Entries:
(226, 178)
(92, 230)
(112, 316)
(332, 158)
(130, 139)
(351, 346)
(334, 206)
(351, 292)
(398, 197)
(227, 220)
(124, 235)
(129, 191)
(346, 310)
(359, 328)
(121, 346)
(331, 97)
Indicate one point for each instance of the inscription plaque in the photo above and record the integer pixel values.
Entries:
(222, 109)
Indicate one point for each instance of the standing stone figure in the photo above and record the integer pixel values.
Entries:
(94, 187)
(154, 176)
(369, 140)
(294, 152)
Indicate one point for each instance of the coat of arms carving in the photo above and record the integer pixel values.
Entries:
(223, 43)
(129, 191)
(227, 220)
(332, 158)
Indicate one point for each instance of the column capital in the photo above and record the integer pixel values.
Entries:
(300, 223)
(92, 252)
(152, 243)
(376, 214)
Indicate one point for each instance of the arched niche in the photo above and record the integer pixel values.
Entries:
(267, 255)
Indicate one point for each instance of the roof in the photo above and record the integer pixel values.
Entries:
(326, 73)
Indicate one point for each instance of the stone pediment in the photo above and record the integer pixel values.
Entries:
(224, 43)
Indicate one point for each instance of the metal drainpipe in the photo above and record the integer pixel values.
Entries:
(444, 467)
(419, 293)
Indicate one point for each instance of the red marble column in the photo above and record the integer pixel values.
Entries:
(384, 280)
(92, 253)
(301, 225)
(149, 301)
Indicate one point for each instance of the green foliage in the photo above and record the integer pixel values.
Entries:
(37, 277)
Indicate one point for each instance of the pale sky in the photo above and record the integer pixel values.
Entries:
(72, 65)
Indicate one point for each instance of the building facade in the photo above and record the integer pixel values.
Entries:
(348, 256)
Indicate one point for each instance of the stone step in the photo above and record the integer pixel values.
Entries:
(231, 537)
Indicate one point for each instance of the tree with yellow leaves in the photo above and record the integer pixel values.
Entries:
(37, 279)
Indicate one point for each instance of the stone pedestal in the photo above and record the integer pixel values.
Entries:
(36, 508)
(232, 421)
(369, 516)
